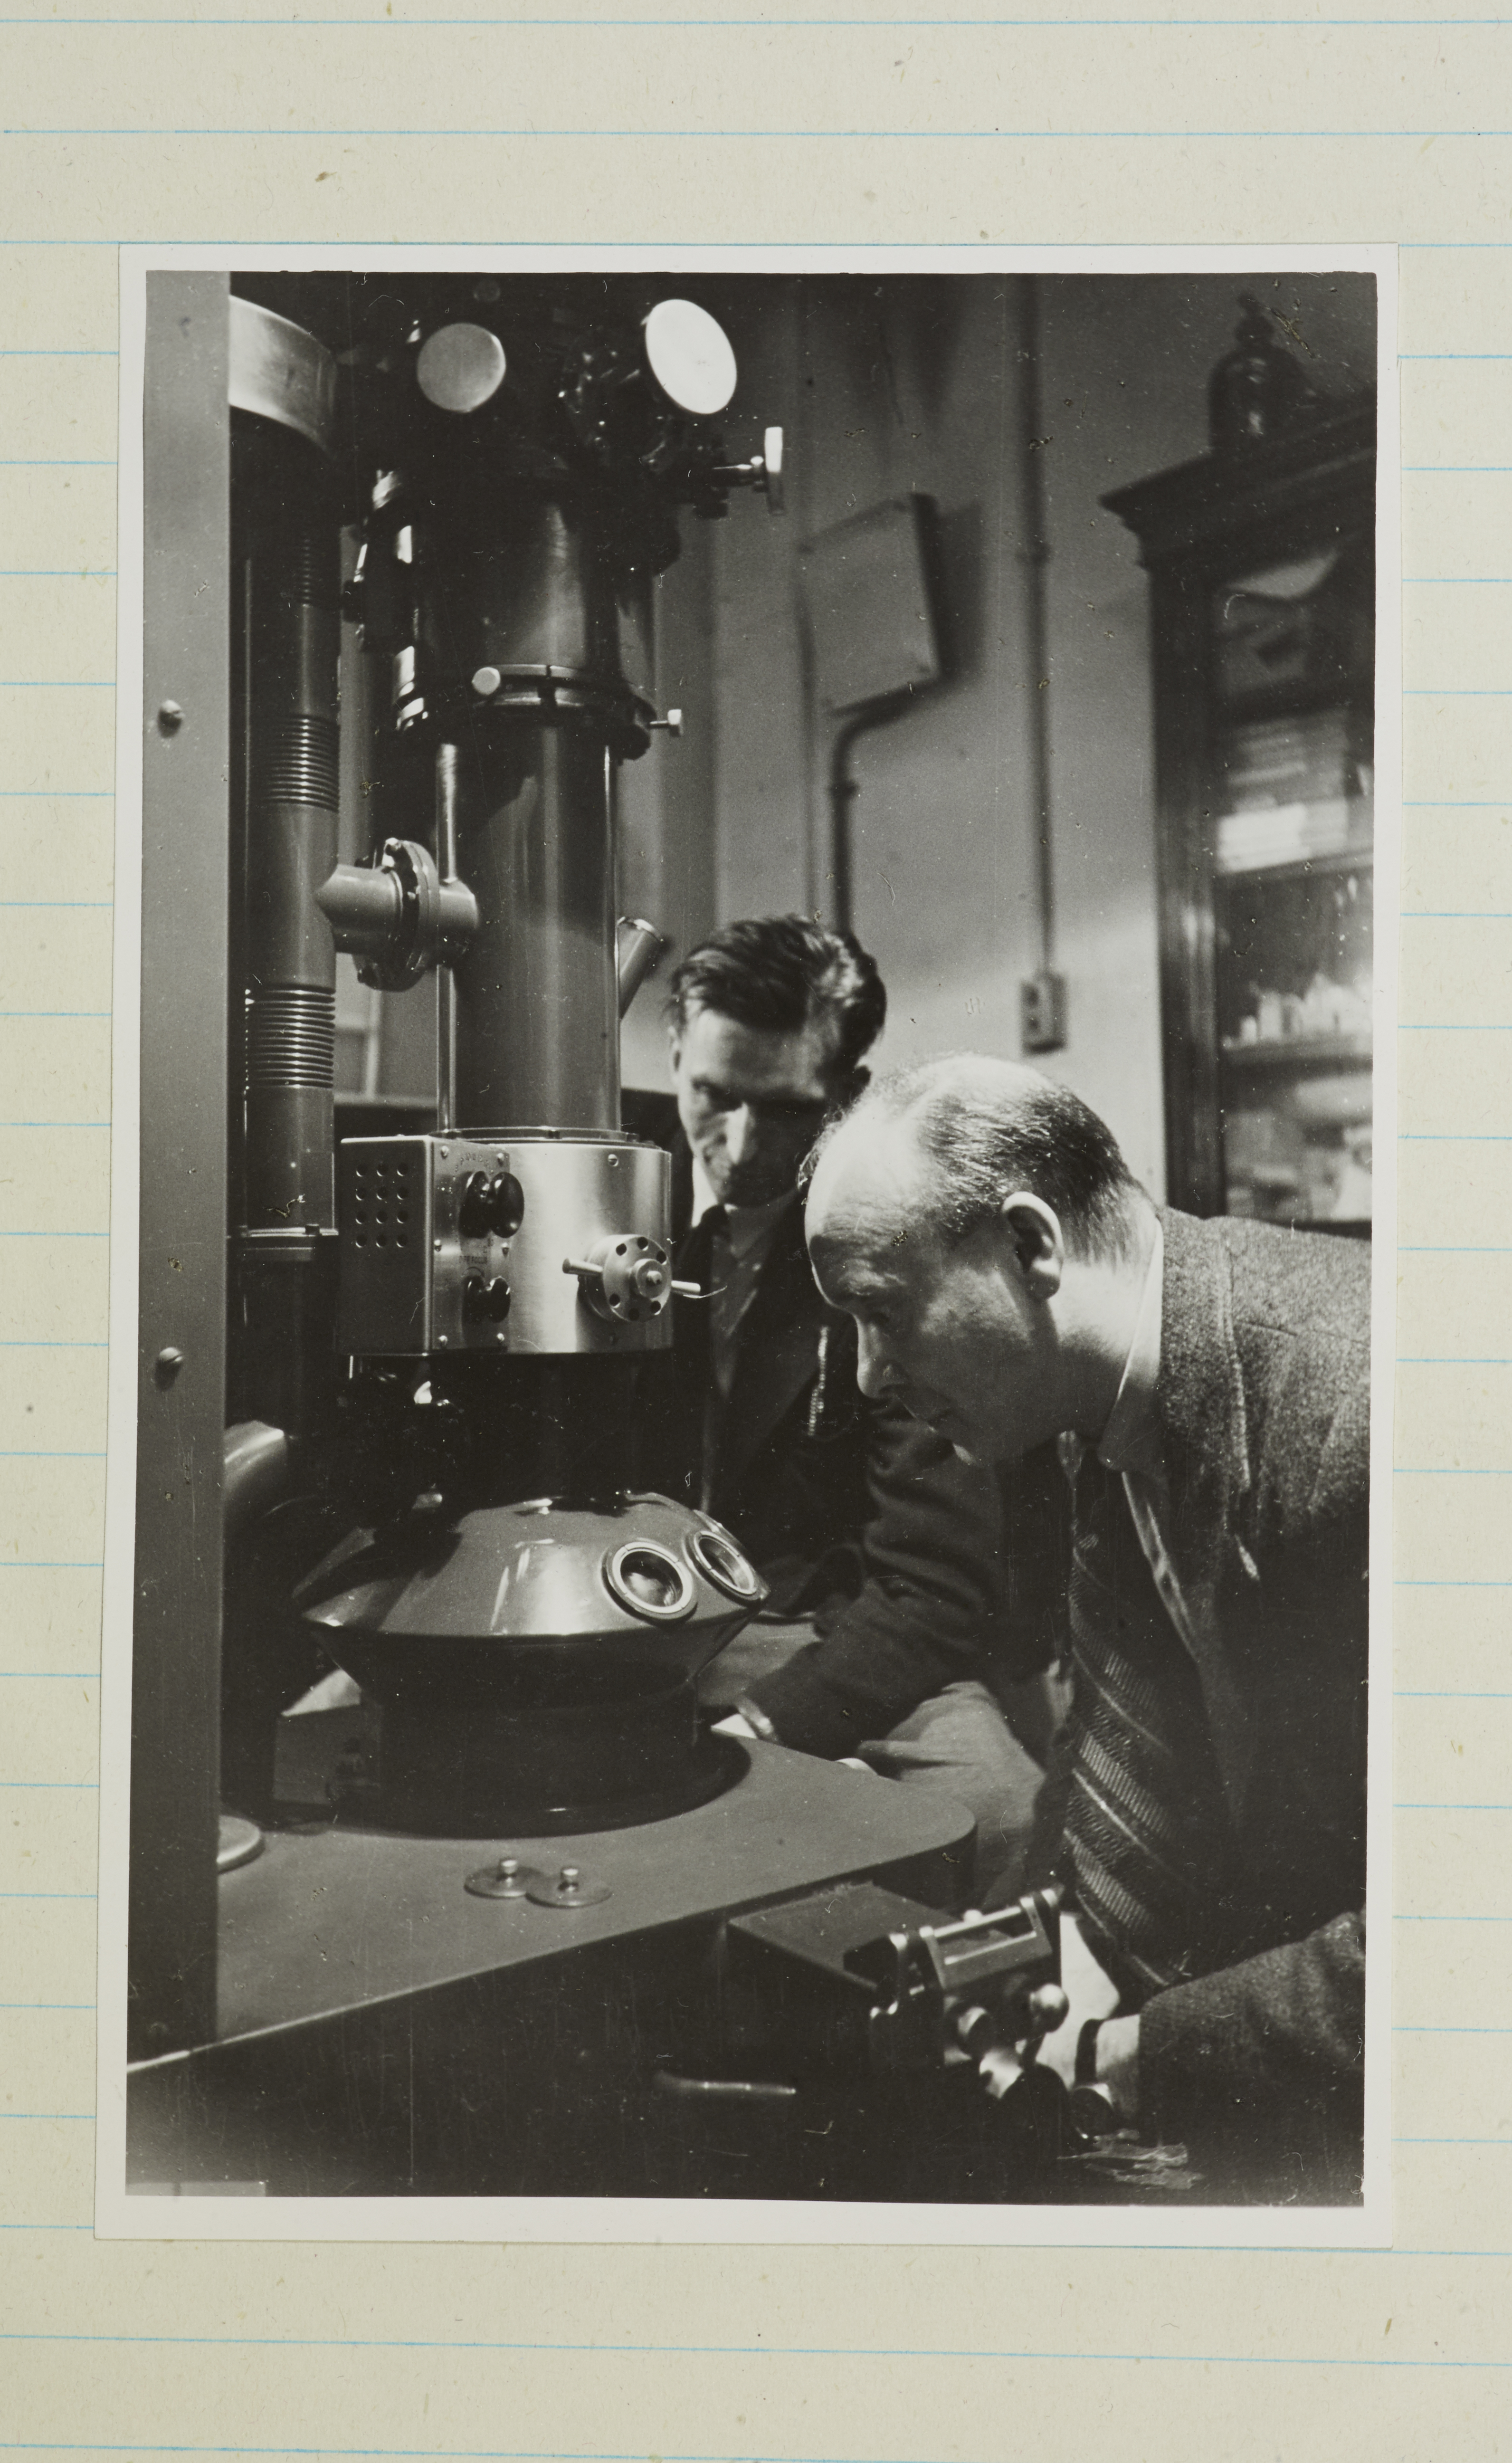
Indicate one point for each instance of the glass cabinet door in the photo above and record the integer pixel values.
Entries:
(1291, 832)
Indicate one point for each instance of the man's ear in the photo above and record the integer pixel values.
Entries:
(848, 1089)
(1039, 1250)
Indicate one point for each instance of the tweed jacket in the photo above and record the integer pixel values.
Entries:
(912, 1565)
(1263, 1400)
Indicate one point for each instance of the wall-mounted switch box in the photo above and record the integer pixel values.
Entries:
(1042, 1012)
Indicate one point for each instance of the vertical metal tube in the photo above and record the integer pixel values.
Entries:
(289, 545)
(1034, 554)
(293, 799)
(537, 998)
(445, 985)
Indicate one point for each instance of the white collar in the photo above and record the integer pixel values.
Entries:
(1131, 1440)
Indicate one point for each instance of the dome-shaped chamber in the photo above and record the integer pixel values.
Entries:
(534, 1663)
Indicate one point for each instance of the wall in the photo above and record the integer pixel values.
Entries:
(918, 384)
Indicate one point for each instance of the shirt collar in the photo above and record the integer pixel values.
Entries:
(752, 1226)
(1131, 1441)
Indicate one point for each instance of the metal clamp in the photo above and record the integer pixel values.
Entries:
(397, 918)
(969, 1982)
(625, 1278)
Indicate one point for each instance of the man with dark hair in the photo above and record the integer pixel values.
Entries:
(894, 1579)
(1209, 1381)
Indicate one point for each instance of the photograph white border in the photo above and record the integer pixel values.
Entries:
(758, 2221)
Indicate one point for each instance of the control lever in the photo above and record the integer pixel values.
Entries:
(763, 472)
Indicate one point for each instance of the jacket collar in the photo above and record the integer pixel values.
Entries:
(1204, 1436)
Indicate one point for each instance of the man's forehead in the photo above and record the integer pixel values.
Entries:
(867, 1190)
(757, 1055)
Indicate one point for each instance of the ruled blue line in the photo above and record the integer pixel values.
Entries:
(861, 136)
(799, 25)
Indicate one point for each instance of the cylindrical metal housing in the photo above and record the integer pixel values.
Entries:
(537, 994)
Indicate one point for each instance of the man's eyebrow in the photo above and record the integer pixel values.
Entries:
(866, 1282)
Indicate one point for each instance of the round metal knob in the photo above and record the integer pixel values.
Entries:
(568, 1889)
(459, 367)
(689, 358)
(506, 1878)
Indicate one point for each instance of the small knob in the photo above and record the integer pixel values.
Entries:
(474, 1214)
(773, 484)
(474, 1301)
(496, 1300)
(670, 725)
(506, 1205)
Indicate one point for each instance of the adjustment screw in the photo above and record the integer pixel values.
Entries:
(569, 1877)
(170, 718)
(167, 1365)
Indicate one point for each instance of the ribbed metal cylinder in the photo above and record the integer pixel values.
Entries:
(285, 525)
(292, 797)
(290, 1036)
(296, 761)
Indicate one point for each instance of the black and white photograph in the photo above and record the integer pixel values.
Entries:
(746, 1541)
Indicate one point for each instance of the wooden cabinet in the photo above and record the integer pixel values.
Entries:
(1262, 582)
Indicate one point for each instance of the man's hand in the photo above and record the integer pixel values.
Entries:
(1091, 1995)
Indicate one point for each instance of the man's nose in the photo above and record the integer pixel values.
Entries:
(740, 1133)
(875, 1372)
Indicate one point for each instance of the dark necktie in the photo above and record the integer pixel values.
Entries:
(1146, 1825)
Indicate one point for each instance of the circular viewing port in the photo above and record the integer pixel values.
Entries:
(649, 1580)
(721, 1562)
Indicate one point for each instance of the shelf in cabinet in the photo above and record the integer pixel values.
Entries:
(1301, 867)
(1298, 1052)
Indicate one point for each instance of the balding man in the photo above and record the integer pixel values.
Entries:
(1210, 1385)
